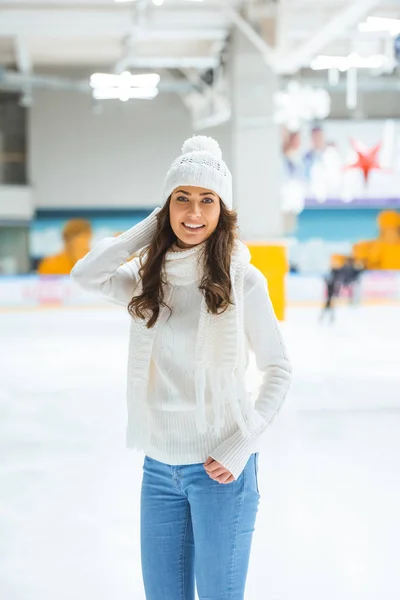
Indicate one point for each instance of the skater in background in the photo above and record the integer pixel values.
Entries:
(341, 277)
(332, 283)
(350, 277)
(197, 308)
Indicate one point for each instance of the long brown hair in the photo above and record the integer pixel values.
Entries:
(216, 282)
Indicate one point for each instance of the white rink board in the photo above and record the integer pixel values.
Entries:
(35, 291)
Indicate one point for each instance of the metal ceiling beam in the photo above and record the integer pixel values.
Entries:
(115, 21)
(24, 65)
(22, 56)
(29, 22)
(167, 62)
(334, 28)
(254, 38)
(60, 4)
(19, 81)
(282, 38)
(373, 86)
(180, 35)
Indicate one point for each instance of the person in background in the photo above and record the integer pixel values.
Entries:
(350, 275)
(332, 282)
(382, 253)
(197, 308)
(344, 275)
(77, 236)
(291, 152)
(293, 185)
(332, 286)
(318, 147)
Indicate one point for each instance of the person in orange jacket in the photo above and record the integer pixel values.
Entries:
(77, 235)
(382, 253)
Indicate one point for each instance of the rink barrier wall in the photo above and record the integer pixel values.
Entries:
(32, 291)
(271, 260)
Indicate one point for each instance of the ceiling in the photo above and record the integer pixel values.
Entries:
(54, 37)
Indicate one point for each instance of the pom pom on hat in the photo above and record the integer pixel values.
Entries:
(202, 143)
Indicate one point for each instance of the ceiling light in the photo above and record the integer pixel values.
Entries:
(126, 79)
(109, 86)
(377, 24)
(114, 93)
(352, 61)
(158, 2)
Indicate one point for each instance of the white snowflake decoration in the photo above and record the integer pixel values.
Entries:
(301, 103)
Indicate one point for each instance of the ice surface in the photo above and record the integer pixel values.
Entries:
(329, 520)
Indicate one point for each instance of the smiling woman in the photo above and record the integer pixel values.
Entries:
(192, 218)
(197, 308)
(194, 215)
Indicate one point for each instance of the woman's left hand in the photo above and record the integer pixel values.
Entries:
(217, 472)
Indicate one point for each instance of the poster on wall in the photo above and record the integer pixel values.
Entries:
(343, 164)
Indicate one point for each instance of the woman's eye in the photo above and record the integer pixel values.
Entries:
(182, 199)
(208, 200)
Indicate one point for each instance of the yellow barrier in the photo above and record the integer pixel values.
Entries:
(271, 260)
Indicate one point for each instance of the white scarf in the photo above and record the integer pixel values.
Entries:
(220, 354)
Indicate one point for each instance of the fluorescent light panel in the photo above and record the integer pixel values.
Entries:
(344, 63)
(377, 24)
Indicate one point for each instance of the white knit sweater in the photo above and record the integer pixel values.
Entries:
(170, 396)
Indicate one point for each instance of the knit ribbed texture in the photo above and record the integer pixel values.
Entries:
(175, 441)
(101, 271)
(140, 235)
(200, 166)
(164, 423)
(218, 367)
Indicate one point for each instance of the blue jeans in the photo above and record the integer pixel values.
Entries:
(194, 527)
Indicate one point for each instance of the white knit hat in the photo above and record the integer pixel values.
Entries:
(201, 165)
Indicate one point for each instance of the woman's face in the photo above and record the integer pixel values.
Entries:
(194, 214)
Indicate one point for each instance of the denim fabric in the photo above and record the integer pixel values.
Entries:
(195, 528)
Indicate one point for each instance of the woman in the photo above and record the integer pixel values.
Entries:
(197, 306)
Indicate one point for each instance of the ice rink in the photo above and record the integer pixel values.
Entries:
(329, 520)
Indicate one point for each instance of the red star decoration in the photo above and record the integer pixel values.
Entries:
(367, 158)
